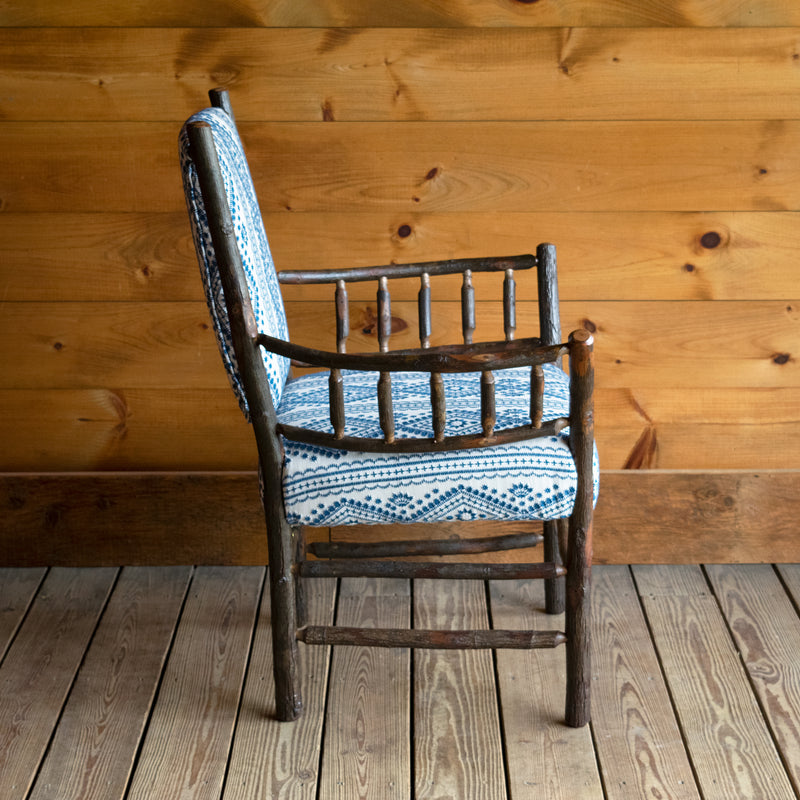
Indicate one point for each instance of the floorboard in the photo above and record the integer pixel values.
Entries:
(17, 590)
(145, 683)
(727, 738)
(639, 742)
(367, 748)
(457, 744)
(270, 758)
(41, 664)
(93, 751)
(766, 630)
(191, 728)
(545, 758)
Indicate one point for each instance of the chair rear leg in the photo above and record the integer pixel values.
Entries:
(578, 621)
(554, 550)
(283, 600)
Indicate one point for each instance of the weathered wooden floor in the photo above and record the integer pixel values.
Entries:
(156, 683)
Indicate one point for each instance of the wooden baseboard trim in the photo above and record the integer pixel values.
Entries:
(100, 519)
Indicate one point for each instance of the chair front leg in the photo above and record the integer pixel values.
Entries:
(578, 619)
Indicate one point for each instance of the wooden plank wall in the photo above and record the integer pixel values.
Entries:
(657, 144)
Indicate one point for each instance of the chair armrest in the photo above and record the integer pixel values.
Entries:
(448, 267)
(481, 357)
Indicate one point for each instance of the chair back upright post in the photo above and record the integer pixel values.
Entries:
(244, 333)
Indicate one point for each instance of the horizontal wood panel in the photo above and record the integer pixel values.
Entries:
(413, 166)
(428, 13)
(133, 518)
(642, 517)
(315, 74)
(203, 429)
(602, 255)
(102, 429)
(171, 346)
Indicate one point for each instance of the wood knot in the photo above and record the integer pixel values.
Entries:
(710, 240)
(404, 231)
(781, 358)
(58, 346)
(432, 173)
(688, 267)
(588, 325)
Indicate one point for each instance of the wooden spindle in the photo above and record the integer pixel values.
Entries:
(385, 408)
(467, 307)
(488, 412)
(438, 406)
(384, 314)
(336, 400)
(424, 309)
(342, 317)
(537, 395)
(509, 305)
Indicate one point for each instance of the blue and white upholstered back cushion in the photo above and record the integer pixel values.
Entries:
(262, 280)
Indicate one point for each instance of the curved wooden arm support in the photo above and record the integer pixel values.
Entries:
(448, 358)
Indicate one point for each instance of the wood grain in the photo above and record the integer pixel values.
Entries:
(110, 339)
(108, 429)
(18, 588)
(602, 255)
(39, 669)
(653, 344)
(271, 758)
(203, 429)
(192, 724)
(367, 754)
(381, 74)
(110, 519)
(94, 749)
(638, 740)
(411, 167)
(100, 256)
(171, 346)
(726, 737)
(216, 518)
(457, 746)
(766, 630)
(431, 13)
(544, 757)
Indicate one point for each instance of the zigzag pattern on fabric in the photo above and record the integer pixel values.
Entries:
(534, 479)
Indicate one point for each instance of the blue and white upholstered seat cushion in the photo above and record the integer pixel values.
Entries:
(534, 479)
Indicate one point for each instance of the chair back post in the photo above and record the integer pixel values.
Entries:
(220, 99)
(254, 379)
(547, 280)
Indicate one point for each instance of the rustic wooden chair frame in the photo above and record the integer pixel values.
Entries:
(288, 566)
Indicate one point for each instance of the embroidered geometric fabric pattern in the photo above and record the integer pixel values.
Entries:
(533, 479)
(262, 280)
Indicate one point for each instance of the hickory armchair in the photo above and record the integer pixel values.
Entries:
(470, 431)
